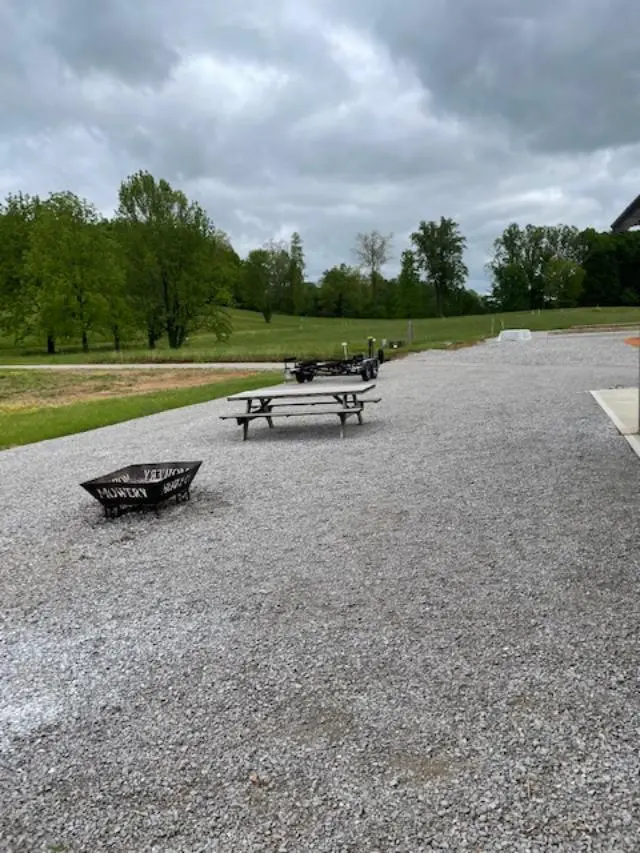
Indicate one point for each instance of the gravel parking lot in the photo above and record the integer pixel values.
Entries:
(423, 637)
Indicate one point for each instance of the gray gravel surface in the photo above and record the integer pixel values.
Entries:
(423, 637)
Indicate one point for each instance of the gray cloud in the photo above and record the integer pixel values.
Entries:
(329, 117)
(119, 38)
(563, 73)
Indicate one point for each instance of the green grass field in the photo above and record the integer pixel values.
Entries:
(255, 340)
(25, 426)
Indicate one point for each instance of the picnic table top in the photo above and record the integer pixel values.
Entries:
(307, 389)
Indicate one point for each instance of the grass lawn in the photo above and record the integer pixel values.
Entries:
(39, 405)
(255, 340)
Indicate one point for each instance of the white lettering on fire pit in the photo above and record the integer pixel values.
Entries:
(175, 484)
(155, 474)
(122, 492)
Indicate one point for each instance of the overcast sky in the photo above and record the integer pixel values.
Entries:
(331, 116)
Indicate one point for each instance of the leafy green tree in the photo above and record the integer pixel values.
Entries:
(296, 301)
(523, 258)
(73, 266)
(172, 250)
(409, 286)
(563, 282)
(17, 215)
(267, 280)
(511, 289)
(472, 303)
(628, 252)
(311, 296)
(388, 297)
(341, 292)
(510, 270)
(119, 316)
(464, 301)
(279, 265)
(258, 291)
(439, 248)
(227, 269)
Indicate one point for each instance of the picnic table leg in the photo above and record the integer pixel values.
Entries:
(360, 417)
(343, 419)
(245, 428)
(265, 406)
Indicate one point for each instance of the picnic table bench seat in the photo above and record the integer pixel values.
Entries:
(244, 418)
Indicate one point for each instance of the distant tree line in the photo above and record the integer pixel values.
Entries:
(160, 267)
(558, 266)
(430, 283)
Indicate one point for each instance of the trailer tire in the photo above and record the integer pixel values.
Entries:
(374, 371)
(300, 377)
(365, 373)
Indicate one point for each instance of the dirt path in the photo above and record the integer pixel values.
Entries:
(20, 390)
(212, 365)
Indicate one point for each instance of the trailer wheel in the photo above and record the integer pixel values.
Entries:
(300, 377)
(374, 371)
(365, 373)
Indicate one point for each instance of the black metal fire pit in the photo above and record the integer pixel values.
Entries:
(140, 487)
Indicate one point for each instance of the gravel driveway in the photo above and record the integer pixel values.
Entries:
(423, 637)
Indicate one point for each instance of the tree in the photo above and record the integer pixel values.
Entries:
(464, 301)
(172, 249)
(341, 292)
(563, 281)
(73, 266)
(258, 293)
(279, 267)
(409, 286)
(471, 302)
(267, 279)
(439, 250)
(118, 314)
(17, 215)
(142, 285)
(296, 299)
(627, 248)
(511, 289)
(227, 269)
(524, 257)
(373, 251)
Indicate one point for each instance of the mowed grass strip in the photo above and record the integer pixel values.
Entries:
(317, 337)
(20, 426)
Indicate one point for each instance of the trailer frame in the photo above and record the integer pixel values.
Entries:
(365, 366)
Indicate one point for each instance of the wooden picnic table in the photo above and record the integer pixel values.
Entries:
(344, 399)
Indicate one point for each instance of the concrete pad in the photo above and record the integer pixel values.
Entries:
(621, 405)
(634, 442)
